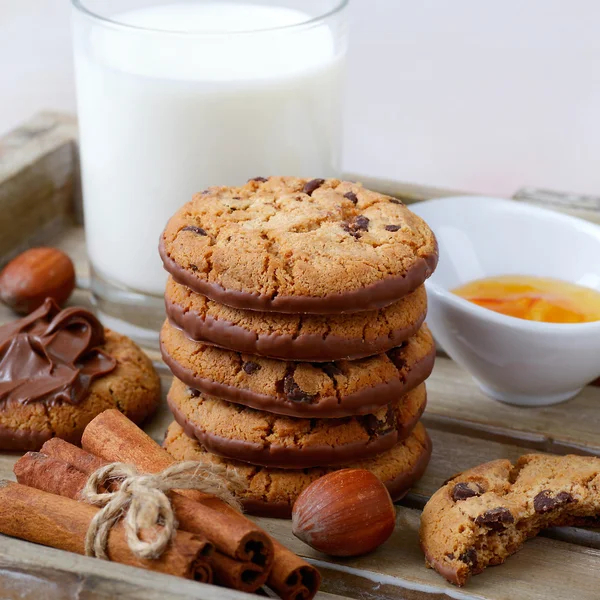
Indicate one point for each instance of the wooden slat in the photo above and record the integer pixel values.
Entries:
(455, 403)
(38, 176)
(32, 572)
(544, 568)
(577, 205)
(453, 453)
(352, 585)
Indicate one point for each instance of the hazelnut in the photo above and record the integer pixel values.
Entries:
(344, 513)
(35, 275)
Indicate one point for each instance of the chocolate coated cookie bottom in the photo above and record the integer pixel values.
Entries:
(306, 390)
(272, 492)
(261, 438)
(313, 338)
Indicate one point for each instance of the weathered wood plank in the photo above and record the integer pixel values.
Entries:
(350, 585)
(37, 182)
(29, 571)
(577, 205)
(544, 568)
(453, 453)
(456, 404)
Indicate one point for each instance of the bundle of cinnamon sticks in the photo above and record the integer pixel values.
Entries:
(214, 543)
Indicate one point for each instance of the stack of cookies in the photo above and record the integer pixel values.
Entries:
(296, 335)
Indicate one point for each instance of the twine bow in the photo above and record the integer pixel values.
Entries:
(142, 502)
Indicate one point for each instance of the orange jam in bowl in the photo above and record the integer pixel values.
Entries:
(534, 298)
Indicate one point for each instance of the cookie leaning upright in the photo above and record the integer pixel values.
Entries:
(298, 246)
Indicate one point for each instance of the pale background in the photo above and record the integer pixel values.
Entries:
(481, 95)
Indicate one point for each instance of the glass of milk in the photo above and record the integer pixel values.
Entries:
(174, 97)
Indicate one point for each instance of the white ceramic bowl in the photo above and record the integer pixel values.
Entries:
(513, 360)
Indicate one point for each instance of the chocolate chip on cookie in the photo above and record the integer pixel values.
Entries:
(251, 367)
(462, 491)
(495, 518)
(352, 197)
(195, 229)
(381, 424)
(355, 227)
(545, 501)
(312, 185)
(469, 557)
(294, 392)
(295, 337)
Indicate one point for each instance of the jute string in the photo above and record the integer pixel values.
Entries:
(141, 501)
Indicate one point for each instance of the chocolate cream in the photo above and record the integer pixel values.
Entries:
(52, 355)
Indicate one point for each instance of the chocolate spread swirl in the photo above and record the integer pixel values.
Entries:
(52, 355)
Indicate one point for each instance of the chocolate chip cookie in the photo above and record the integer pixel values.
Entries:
(241, 433)
(272, 492)
(485, 514)
(314, 338)
(59, 369)
(320, 390)
(296, 246)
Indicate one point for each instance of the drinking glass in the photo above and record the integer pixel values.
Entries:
(174, 97)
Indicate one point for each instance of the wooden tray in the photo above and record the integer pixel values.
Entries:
(39, 202)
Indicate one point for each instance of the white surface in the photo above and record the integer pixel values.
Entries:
(163, 116)
(476, 95)
(514, 360)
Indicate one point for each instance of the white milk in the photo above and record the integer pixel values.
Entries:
(164, 115)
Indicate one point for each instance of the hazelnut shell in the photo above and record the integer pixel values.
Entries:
(345, 513)
(35, 275)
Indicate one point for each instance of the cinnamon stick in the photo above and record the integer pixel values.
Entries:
(292, 577)
(62, 523)
(74, 455)
(52, 475)
(112, 436)
(242, 576)
(232, 535)
(57, 476)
